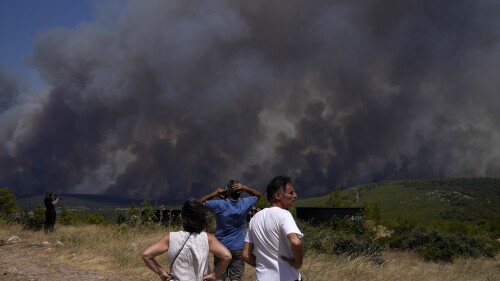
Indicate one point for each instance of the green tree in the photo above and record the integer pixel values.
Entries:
(132, 211)
(7, 202)
(133, 217)
(335, 199)
(330, 199)
(147, 211)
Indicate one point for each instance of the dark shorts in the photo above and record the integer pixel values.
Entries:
(236, 267)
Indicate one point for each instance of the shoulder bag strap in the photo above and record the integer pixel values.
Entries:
(172, 263)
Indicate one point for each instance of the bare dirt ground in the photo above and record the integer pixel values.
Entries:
(35, 262)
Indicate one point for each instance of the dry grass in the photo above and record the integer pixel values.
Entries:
(398, 266)
(117, 249)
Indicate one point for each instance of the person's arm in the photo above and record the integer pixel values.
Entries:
(55, 201)
(247, 254)
(297, 251)
(221, 252)
(209, 196)
(237, 186)
(158, 248)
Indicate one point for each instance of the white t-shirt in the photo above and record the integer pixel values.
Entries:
(268, 232)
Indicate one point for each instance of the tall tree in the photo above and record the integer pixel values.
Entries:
(7, 202)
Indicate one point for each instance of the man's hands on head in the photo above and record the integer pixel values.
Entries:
(238, 187)
(220, 192)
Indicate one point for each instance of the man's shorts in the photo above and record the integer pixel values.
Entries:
(236, 267)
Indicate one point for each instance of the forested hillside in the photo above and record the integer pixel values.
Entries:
(467, 199)
(459, 203)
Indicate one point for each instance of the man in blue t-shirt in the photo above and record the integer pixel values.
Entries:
(230, 217)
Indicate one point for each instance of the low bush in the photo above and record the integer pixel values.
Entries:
(33, 220)
(439, 246)
(353, 248)
(68, 217)
(342, 237)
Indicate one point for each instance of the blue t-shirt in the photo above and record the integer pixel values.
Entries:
(231, 217)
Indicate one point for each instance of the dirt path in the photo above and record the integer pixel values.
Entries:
(35, 262)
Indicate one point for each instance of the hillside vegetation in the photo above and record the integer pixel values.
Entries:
(461, 203)
(462, 199)
(92, 202)
(470, 205)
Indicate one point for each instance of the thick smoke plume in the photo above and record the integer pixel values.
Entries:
(169, 99)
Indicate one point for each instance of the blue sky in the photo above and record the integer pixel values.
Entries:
(22, 20)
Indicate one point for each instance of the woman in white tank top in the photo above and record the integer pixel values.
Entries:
(188, 250)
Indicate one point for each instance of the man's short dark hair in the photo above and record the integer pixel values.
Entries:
(194, 216)
(275, 184)
(230, 192)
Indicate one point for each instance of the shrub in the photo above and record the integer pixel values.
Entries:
(78, 217)
(120, 218)
(94, 219)
(147, 213)
(438, 246)
(351, 227)
(341, 237)
(355, 247)
(317, 238)
(33, 220)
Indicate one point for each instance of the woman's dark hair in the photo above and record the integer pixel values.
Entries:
(277, 183)
(194, 216)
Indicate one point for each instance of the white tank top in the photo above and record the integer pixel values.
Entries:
(192, 262)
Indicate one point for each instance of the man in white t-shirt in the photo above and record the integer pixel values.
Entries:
(273, 242)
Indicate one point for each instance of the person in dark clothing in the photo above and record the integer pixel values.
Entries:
(50, 211)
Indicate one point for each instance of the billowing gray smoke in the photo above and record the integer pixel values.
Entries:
(170, 99)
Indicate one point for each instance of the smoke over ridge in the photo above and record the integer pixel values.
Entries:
(170, 99)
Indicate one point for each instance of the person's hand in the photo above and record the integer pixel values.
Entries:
(291, 261)
(164, 276)
(220, 192)
(209, 277)
(238, 187)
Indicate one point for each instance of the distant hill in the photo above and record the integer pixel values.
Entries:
(88, 201)
(463, 199)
